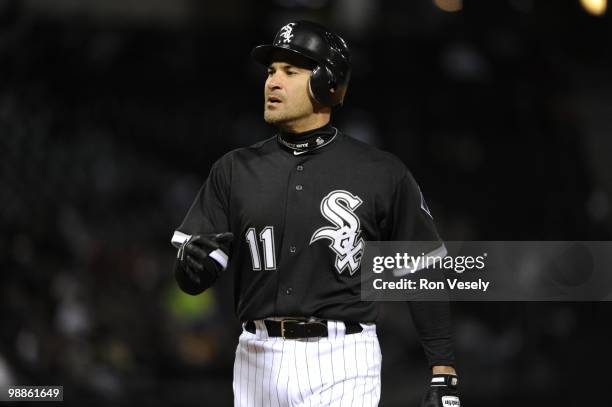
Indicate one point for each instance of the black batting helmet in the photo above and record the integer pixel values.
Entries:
(330, 76)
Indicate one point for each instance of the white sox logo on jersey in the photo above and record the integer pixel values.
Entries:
(338, 207)
(286, 33)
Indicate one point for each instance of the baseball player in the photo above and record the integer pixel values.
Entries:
(289, 216)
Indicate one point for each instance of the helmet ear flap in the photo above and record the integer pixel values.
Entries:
(322, 86)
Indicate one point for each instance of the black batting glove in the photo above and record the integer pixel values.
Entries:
(442, 392)
(195, 270)
(194, 251)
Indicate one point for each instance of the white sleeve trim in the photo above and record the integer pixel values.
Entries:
(217, 255)
(178, 238)
(439, 252)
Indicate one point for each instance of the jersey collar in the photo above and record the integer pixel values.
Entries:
(311, 140)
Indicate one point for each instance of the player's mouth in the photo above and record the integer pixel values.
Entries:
(273, 100)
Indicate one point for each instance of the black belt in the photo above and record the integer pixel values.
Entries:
(295, 329)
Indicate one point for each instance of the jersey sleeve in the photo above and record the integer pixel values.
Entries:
(208, 213)
(412, 221)
(432, 320)
(410, 218)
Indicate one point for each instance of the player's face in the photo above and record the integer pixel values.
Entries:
(287, 101)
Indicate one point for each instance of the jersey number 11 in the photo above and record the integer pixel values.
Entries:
(266, 236)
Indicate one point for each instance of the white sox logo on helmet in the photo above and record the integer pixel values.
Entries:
(286, 33)
(338, 207)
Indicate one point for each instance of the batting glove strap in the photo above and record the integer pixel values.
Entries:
(448, 380)
(214, 246)
(200, 247)
(442, 392)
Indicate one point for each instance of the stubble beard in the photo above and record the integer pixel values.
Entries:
(280, 118)
(273, 117)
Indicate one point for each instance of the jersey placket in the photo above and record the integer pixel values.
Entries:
(299, 198)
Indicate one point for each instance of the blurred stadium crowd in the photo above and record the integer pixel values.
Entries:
(111, 117)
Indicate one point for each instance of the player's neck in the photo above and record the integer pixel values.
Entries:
(307, 134)
(309, 140)
(304, 125)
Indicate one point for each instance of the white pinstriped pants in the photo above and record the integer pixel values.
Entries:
(335, 371)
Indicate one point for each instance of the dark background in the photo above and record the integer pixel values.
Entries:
(112, 112)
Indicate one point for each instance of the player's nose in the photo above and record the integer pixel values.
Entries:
(273, 82)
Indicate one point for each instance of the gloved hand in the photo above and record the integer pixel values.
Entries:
(195, 270)
(196, 249)
(442, 392)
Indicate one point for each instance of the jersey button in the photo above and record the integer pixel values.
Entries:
(292, 249)
(289, 291)
(300, 168)
(298, 187)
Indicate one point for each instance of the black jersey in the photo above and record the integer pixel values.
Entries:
(301, 220)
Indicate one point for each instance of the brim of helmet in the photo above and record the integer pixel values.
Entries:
(263, 54)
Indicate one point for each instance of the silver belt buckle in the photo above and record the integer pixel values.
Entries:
(283, 325)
